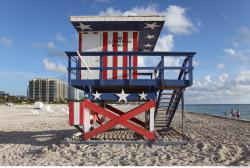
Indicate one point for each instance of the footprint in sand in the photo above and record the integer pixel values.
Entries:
(200, 145)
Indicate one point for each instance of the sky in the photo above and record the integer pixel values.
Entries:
(35, 34)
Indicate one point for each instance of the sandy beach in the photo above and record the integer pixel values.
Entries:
(28, 139)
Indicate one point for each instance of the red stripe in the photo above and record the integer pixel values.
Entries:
(81, 113)
(135, 48)
(105, 58)
(80, 50)
(115, 41)
(125, 57)
(71, 113)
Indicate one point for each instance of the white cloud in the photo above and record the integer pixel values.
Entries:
(243, 77)
(54, 67)
(6, 41)
(241, 55)
(60, 38)
(165, 43)
(196, 63)
(220, 66)
(243, 35)
(223, 78)
(50, 46)
(221, 89)
(176, 20)
(230, 51)
(111, 12)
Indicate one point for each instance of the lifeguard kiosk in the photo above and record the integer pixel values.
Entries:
(106, 68)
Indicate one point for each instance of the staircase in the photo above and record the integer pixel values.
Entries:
(167, 104)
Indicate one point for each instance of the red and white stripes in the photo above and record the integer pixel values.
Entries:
(111, 41)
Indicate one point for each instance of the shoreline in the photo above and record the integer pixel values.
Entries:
(211, 115)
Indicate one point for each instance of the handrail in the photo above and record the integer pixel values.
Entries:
(138, 53)
(184, 69)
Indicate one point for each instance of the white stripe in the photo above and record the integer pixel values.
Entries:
(76, 113)
(151, 119)
(130, 47)
(86, 120)
(110, 58)
(120, 58)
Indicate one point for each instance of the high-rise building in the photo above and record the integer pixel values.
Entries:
(47, 89)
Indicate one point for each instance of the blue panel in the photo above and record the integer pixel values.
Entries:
(115, 98)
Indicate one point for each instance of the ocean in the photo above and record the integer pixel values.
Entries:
(220, 109)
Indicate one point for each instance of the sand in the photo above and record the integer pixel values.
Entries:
(27, 138)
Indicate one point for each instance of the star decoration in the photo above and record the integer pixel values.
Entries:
(84, 27)
(151, 26)
(143, 96)
(148, 45)
(122, 96)
(150, 36)
(97, 95)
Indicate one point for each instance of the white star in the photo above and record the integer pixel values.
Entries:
(148, 45)
(150, 36)
(143, 96)
(97, 95)
(83, 27)
(122, 96)
(152, 25)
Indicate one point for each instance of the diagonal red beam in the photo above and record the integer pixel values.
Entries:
(119, 120)
(119, 112)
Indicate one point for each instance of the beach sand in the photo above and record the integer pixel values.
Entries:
(28, 139)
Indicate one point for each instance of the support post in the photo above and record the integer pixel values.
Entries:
(87, 125)
(182, 111)
(130, 70)
(151, 119)
(69, 77)
(101, 70)
(190, 77)
(162, 70)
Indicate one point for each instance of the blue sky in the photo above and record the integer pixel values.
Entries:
(34, 35)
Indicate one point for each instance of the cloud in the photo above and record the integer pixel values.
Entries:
(54, 67)
(220, 66)
(60, 38)
(196, 63)
(165, 43)
(5, 41)
(50, 46)
(243, 77)
(230, 52)
(221, 89)
(176, 20)
(243, 35)
(241, 55)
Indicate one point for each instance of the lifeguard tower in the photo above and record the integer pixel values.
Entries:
(106, 67)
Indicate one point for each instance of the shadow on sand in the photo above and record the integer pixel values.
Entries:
(35, 138)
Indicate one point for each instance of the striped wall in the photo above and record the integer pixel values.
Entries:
(109, 41)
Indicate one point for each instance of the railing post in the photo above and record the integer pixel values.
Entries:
(190, 66)
(101, 70)
(182, 111)
(69, 76)
(130, 70)
(162, 70)
(69, 70)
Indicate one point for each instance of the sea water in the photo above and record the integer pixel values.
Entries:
(220, 109)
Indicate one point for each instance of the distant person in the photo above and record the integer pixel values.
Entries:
(232, 113)
(238, 114)
(226, 113)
